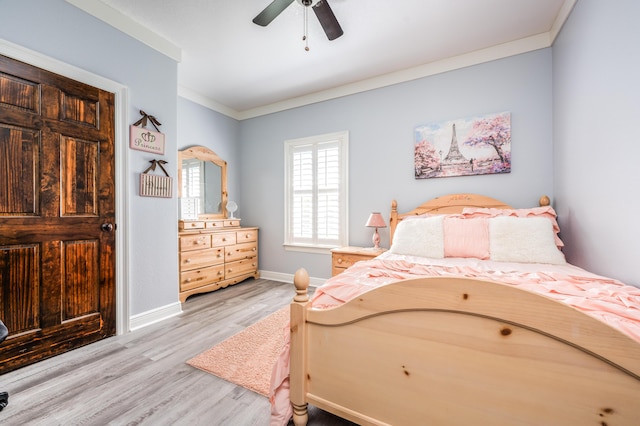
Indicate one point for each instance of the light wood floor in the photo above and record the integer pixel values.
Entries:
(142, 378)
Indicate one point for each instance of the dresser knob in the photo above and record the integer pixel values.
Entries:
(188, 280)
(187, 261)
(339, 260)
(253, 249)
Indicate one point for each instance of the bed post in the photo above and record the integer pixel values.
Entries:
(393, 220)
(297, 350)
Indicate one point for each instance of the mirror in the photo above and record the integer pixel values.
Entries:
(202, 184)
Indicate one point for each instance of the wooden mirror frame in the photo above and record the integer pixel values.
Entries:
(205, 154)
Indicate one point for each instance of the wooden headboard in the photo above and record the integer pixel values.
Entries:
(449, 204)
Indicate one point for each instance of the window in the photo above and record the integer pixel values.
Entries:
(316, 192)
(192, 182)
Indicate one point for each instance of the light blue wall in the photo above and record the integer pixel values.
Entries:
(380, 124)
(596, 64)
(58, 30)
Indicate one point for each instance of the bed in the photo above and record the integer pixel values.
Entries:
(453, 347)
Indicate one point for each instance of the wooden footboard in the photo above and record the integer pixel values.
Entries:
(460, 351)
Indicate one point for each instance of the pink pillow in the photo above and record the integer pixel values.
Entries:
(547, 211)
(466, 237)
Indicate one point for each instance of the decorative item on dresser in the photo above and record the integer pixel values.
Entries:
(215, 251)
(343, 257)
(215, 254)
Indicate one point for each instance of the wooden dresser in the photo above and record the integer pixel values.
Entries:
(215, 254)
(343, 257)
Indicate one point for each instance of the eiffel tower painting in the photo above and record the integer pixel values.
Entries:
(485, 141)
(454, 155)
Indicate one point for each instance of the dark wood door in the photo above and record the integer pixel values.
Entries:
(57, 213)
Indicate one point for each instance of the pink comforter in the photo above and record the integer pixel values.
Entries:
(604, 298)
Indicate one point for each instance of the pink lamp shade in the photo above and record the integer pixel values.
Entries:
(376, 221)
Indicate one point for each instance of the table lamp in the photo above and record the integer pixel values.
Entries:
(376, 221)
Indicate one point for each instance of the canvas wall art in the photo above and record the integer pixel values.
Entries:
(462, 147)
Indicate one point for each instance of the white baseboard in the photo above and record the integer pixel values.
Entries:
(288, 278)
(155, 315)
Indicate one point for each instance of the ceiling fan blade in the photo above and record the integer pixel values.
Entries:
(328, 20)
(270, 12)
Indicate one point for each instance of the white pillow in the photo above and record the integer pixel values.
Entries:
(419, 237)
(526, 240)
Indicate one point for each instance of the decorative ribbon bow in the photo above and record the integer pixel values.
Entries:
(144, 118)
(153, 166)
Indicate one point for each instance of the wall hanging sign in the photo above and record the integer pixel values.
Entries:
(143, 139)
(156, 185)
(469, 146)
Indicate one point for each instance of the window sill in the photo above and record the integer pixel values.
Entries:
(309, 249)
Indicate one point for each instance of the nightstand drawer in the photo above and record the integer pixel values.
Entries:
(344, 257)
(343, 260)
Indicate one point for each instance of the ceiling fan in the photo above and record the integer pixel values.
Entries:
(321, 8)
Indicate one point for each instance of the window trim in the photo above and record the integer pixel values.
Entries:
(342, 138)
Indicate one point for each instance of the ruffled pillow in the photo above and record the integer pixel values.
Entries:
(546, 211)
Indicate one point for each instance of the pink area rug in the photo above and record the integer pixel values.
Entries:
(247, 358)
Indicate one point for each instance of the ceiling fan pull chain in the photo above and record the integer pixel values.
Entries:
(305, 37)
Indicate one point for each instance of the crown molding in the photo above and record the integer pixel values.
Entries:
(501, 51)
(125, 24)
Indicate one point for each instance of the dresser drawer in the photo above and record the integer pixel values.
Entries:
(247, 236)
(232, 222)
(214, 224)
(240, 251)
(199, 277)
(191, 224)
(195, 242)
(241, 267)
(223, 239)
(201, 258)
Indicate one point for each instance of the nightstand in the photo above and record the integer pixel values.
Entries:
(343, 257)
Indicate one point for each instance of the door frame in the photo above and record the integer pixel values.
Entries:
(121, 106)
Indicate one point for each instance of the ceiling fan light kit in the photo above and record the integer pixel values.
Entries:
(321, 8)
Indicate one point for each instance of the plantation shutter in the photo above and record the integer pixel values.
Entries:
(316, 182)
